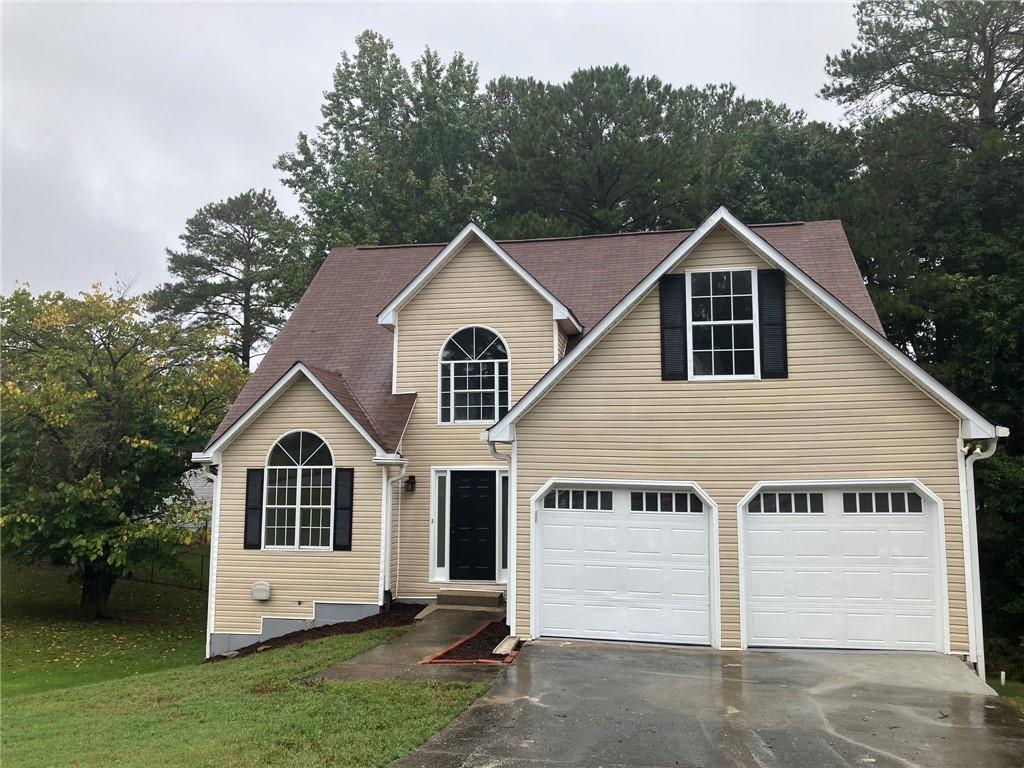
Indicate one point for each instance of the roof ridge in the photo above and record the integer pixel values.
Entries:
(378, 247)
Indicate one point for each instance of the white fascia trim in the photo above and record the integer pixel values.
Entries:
(973, 423)
(271, 395)
(389, 315)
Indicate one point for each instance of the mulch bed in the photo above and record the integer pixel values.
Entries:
(398, 615)
(476, 648)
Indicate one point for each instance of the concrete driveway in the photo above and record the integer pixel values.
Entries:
(572, 704)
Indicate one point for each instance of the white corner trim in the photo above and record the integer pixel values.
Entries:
(211, 577)
(975, 425)
(270, 396)
(389, 315)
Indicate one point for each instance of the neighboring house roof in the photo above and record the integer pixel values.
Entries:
(335, 331)
(974, 424)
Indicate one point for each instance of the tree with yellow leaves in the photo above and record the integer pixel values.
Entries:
(101, 409)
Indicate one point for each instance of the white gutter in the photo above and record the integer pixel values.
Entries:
(977, 454)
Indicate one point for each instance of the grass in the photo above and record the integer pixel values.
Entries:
(132, 691)
(256, 710)
(46, 647)
(1013, 690)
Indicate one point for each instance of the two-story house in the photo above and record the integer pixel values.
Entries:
(698, 437)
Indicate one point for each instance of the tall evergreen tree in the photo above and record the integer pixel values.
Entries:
(399, 154)
(937, 220)
(242, 266)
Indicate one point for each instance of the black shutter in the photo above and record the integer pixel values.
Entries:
(343, 481)
(672, 290)
(771, 303)
(253, 536)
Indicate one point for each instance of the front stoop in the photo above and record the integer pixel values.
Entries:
(471, 597)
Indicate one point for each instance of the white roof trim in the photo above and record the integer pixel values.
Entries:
(974, 425)
(389, 315)
(211, 453)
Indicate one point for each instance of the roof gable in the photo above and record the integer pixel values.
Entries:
(974, 424)
(561, 313)
(331, 385)
(334, 328)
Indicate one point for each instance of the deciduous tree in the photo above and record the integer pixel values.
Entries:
(102, 408)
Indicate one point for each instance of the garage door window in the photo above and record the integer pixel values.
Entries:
(661, 501)
(882, 503)
(579, 499)
(787, 504)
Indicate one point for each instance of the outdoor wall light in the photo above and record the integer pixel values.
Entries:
(410, 483)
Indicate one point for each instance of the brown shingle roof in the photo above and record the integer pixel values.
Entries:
(334, 329)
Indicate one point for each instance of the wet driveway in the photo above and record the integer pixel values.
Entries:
(587, 704)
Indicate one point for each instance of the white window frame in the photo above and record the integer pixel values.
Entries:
(756, 324)
(298, 499)
(451, 383)
(439, 574)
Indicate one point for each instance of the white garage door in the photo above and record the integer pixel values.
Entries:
(624, 565)
(847, 568)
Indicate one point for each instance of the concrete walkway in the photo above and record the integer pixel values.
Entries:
(580, 705)
(400, 658)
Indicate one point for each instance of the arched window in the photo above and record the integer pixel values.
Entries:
(299, 493)
(474, 377)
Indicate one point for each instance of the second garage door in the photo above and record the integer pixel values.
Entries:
(624, 564)
(850, 567)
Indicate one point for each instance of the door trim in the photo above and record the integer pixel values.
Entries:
(906, 483)
(714, 577)
(436, 575)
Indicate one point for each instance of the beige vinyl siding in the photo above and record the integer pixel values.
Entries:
(843, 413)
(474, 288)
(297, 578)
(563, 339)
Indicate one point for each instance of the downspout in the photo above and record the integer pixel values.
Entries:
(398, 538)
(977, 454)
(513, 526)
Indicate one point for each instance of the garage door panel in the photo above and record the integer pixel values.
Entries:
(688, 543)
(629, 576)
(912, 586)
(873, 580)
(908, 544)
(809, 544)
(599, 539)
(862, 585)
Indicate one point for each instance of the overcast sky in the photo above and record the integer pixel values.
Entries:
(119, 120)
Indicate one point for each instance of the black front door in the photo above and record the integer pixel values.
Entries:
(473, 533)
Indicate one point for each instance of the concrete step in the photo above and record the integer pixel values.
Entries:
(484, 598)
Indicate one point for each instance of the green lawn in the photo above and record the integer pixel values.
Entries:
(1013, 690)
(258, 710)
(132, 691)
(46, 647)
